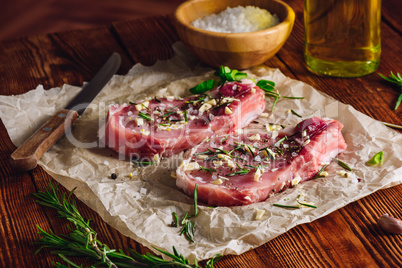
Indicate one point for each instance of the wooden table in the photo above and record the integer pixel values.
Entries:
(349, 237)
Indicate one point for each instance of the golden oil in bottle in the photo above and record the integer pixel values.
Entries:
(342, 37)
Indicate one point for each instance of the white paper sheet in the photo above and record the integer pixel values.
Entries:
(141, 207)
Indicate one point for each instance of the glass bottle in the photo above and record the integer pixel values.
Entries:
(342, 37)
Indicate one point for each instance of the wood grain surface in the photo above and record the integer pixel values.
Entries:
(348, 237)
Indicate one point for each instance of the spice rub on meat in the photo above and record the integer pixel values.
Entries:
(248, 168)
(167, 126)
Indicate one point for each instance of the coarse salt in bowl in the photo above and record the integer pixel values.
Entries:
(238, 20)
(218, 39)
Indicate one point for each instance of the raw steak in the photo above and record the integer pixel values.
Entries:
(170, 125)
(244, 169)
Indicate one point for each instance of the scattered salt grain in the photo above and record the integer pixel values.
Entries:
(238, 20)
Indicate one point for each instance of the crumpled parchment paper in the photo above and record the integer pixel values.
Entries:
(141, 207)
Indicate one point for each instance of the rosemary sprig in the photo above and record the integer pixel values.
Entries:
(187, 226)
(397, 80)
(83, 242)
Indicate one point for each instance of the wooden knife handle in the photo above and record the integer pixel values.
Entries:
(27, 155)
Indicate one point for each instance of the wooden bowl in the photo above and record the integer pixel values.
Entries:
(235, 50)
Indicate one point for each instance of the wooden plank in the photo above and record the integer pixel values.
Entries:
(147, 40)
(70, 57)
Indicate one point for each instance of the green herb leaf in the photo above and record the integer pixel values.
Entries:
(378, 158)
(266, 85)
(204, 87)
(227, 74)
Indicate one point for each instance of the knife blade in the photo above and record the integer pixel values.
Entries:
(26, 156)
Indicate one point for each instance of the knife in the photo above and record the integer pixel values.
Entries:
(26, 156)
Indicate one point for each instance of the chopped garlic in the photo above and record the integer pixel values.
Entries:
(343, 173)
(145, 104)
(265, 115)
(272, 127)
(257, 174)
(296, 180)
(212, 102)
(217, 182)
(324, 174)
(191, 166)
(139, 121)
(205, 107)
(144, 132)
(274, 134)
(231, 164)
(224, 156)
(247, 197)
(253, 90)
(306, 142)
(156, 158)
(170, 98)
(173, 175)
(228, 110)
(250, 149)
(217, 163)
(202, 156)
(255, 137)
(259, 213)
(138, 107)
(265, 153)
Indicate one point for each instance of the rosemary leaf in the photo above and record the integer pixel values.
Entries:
(296, 114)
(284, 206)
(319, 172)
(342, 164)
